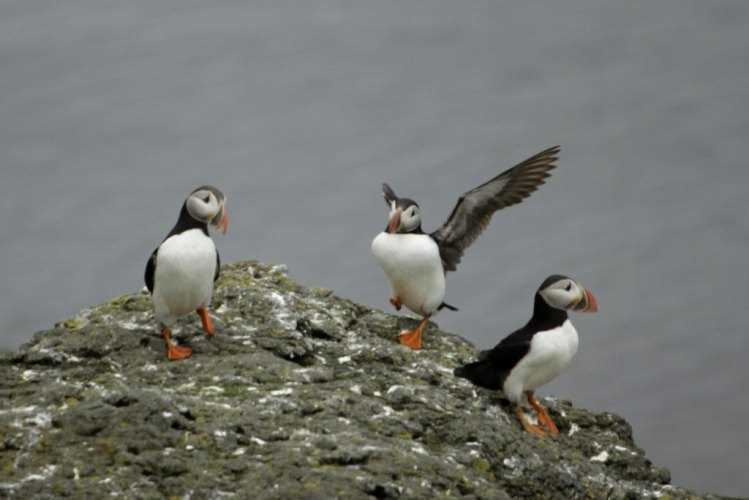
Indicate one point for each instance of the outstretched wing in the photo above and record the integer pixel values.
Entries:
(474, 209)
(151, 270)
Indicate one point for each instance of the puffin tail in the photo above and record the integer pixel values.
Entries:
(461, 371)
(479, 373)
(445, 305)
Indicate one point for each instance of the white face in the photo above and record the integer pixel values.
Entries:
(203, 206)
(410, 218)
(562, 294)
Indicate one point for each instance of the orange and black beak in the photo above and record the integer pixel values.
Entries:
(221, 221)
(395, 221)
(587, 302)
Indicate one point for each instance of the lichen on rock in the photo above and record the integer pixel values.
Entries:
(300, 394)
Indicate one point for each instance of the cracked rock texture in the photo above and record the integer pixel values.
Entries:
(300, 394)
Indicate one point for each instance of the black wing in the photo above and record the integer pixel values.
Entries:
(151, 270)
(474, 209)
(218, 267)
(494, 365)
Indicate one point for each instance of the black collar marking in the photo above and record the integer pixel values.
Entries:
(185, 222)
(546, 317)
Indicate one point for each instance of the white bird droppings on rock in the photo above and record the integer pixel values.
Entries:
(419, 449)
(29, 375)
(281, 308)
(212, 389)
(281, 392)
(20, 409)
(41, 419)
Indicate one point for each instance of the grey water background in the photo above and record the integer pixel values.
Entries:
(111, 111)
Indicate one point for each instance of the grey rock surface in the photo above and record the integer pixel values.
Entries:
(300, 394)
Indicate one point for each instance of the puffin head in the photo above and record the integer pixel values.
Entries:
(404, 215)
(561, 292)
(208, 204)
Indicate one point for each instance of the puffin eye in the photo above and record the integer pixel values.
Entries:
(207, 199)
(568, 287)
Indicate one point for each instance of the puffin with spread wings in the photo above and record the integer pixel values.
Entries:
(415, 262)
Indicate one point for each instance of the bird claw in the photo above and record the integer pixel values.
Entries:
(411, 338)
(529, 427)
(176, 353)
(543, 415)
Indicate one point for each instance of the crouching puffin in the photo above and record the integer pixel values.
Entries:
(415, 263)
(181, 271)
(534, 355)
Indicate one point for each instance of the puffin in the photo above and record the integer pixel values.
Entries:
(182, 270)
(536, 353)
(415, 263)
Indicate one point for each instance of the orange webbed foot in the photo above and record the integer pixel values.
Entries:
(176, 353)
(543, 415)
(207, 321)
(529, 427)
(173, 351)
(411, 338)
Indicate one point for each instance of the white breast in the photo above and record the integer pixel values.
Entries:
(413, 266)
(183, 282)
(550, 353)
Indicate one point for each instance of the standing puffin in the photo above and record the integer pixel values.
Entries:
(534, 355)
(181, 271)
(415, 263)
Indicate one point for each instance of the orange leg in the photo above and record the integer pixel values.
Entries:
(173, 351)
(543, 415)
(412, 338)
(529, 427)
(396, 301)
(205, 318)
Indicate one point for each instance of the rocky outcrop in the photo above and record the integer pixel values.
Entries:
(301, 394)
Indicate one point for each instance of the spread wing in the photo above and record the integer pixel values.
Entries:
(474, 209)
(151, 270)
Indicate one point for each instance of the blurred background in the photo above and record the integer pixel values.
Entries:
(111, 112)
